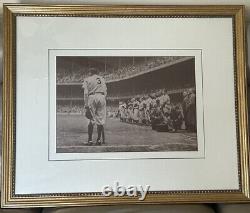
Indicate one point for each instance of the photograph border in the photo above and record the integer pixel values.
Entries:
(11, 11)
(200, 153)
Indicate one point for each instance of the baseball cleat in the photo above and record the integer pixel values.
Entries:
(98, 142)
(90, 143)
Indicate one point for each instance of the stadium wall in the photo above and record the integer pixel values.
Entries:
(175, 78)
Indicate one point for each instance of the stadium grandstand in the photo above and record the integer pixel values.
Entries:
(126, 78)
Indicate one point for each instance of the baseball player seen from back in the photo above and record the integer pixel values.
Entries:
(95, 91)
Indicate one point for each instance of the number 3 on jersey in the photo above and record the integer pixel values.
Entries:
(98, 80)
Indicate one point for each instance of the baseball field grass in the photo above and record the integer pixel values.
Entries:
(120, 137)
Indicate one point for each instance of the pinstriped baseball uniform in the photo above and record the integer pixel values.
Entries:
(96, 89)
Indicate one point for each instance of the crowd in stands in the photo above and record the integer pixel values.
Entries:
(78, 74)
(157, 110)
(68, 76)
(70, 109)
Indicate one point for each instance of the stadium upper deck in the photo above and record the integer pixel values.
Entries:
(73, 70)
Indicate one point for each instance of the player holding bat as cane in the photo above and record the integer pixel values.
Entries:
(95, 92)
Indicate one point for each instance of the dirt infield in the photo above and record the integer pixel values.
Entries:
(120, 137)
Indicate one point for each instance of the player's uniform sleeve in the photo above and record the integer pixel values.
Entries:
(84, 84)
(104, 87)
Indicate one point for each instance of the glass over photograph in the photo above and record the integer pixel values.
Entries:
(125, 104)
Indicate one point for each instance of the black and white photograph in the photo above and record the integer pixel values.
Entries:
(125, 104)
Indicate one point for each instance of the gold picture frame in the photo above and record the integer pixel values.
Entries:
(12, 11)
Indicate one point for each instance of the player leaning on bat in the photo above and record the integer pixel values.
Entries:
(95, 91)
